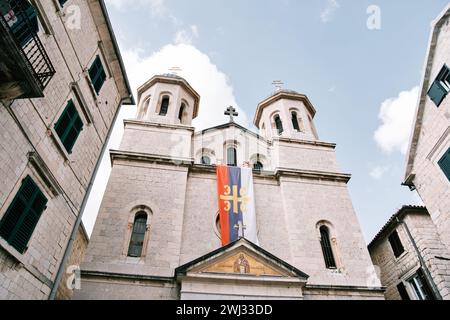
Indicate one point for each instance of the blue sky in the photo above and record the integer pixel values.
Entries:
(362, 82)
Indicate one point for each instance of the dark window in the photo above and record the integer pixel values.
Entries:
(326, 248)
(164, 106)
(279, 124)
(69, 126)
(421, 286)
(232, 157)
(258, 166)
(206, 160)
(181, 112)
(440, 87)
(402, 290)
(97, 74)
(22, 215)
(396, 244)
(138, 235)
(62, 2)
(444, 163)
(295, 121)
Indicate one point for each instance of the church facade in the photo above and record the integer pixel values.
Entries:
(157, 235)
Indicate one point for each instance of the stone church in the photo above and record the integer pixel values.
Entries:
(157, 235)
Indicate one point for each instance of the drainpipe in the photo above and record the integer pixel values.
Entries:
(68, 251)
(423, 266)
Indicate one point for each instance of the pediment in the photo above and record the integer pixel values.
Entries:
(241, 258)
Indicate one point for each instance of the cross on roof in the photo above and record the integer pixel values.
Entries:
(175, 70)
(231, 112)
(278, 84)
(241, 229)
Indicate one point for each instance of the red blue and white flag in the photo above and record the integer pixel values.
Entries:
(236, 204)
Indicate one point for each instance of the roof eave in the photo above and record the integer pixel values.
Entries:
(417, 125)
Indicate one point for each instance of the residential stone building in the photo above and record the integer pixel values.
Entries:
(157, 232)
(428, 159)
(62, 82)
(414, 262)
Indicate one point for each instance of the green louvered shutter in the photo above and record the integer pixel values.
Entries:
(69, 126)
(23, 214)
(97, 74)
(444, 163)
(437, 93)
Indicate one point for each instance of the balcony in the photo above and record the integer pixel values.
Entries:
(25, 68)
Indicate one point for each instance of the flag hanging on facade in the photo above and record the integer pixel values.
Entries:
(236, 204)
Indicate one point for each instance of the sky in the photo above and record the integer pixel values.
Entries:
(359, 62)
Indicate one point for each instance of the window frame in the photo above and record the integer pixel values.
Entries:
(166, 110)
(142, 218)
(279, 129)
(327, 248)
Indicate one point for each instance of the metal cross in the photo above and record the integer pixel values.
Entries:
(241, 228)
(231, 112)
(175, 70)
(278, 85)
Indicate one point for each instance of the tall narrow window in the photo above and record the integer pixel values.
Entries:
(138, 235)
(440, 87)
(279, 124)
(181, 112)
(232, 156)
(164, 106)
(444, 164)
(69, 126)
(396, 244)
(22, 215)
(97, 74)
(295, 121)
(327, 250)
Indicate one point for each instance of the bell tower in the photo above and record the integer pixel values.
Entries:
(286, 114)
(167, 99)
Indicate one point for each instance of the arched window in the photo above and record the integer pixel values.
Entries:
(206, 160)
(258, 166)
(295, 121)
(138, 235)
(327, 249)
(164, 106)
(232, 156)
(181, 112)
(279, 124)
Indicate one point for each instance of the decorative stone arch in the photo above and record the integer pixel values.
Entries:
(162, 95)
(143, 108)
(299, 118)
(135, 210)
(211, 154)
(258, 157)
(273, 122)
(185, 115)
(334, 242)
(230, 144)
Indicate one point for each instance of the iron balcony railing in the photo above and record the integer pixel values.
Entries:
(21, 19)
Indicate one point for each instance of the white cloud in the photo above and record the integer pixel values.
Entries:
(397, 115)
(186, 36)
(212, 84)
(378, 172)
(327, 14)
(157, 7)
